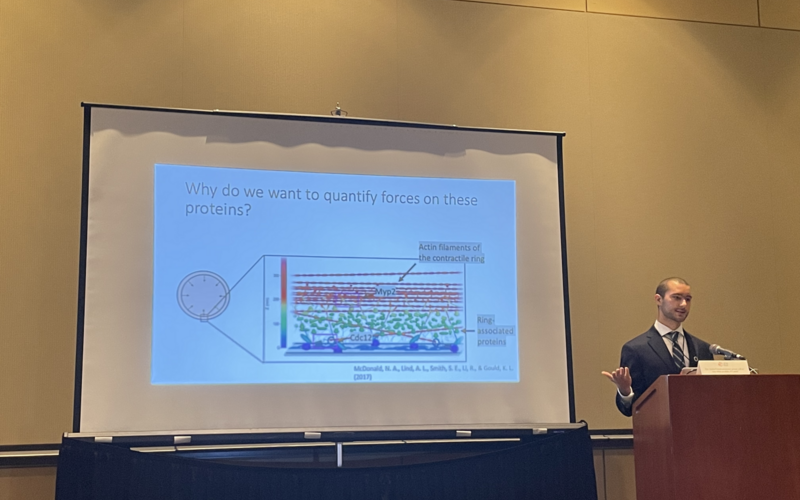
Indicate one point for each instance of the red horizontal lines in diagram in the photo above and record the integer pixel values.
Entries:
(380, 305)
(408, 296)
(374, 274)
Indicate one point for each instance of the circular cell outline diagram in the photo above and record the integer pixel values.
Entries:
(203, 295)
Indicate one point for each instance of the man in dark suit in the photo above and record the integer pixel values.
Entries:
(664, 349)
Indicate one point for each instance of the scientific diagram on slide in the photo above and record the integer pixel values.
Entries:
(292, 277)
(343, 309)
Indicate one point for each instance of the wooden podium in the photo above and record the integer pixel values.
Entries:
(718, 437)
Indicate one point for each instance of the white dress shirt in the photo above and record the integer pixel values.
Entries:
(664, 330)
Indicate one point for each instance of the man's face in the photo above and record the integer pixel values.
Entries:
(676, 302)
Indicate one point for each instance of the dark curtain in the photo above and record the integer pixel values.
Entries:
(553, 467)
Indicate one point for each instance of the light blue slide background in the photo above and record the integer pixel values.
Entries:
(188, 351)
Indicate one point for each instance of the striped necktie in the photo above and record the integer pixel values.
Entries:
(677, 352)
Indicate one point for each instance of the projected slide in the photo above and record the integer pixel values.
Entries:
(289, 277)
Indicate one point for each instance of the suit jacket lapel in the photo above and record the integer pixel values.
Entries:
(657, 344)
(691, 348)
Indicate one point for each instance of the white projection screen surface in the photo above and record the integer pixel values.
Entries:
(279, 272)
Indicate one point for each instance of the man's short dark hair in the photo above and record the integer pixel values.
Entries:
(662, 287)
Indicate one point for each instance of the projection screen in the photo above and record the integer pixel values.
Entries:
(283, 272)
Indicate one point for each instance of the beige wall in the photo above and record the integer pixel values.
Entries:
(681, 156)
(28, 484)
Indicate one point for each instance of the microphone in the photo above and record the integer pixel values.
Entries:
(716, 349)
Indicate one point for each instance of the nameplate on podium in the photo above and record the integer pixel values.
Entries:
(722, 367)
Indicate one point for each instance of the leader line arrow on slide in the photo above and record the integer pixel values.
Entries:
(409, 270)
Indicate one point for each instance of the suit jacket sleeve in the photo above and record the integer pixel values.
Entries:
(630, 359)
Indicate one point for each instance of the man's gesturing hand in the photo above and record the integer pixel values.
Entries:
(622, 378)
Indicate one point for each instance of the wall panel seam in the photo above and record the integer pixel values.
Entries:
(692, 21)
(517, 5)
(758, 7)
